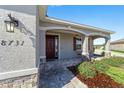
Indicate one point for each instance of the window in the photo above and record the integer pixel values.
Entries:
(77, 43)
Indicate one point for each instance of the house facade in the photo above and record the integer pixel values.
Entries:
(117, 45)
(72, 38)
(38, 39)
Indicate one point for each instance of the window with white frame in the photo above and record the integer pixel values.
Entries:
(77, 43)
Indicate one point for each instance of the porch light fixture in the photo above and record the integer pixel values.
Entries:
(11, 24)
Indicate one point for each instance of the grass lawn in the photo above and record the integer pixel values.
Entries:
(116, 74)
(113, 67)
(122, 66)
(118, 51)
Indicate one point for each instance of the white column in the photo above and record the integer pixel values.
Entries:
(85, 51)
(107, 47)
(91, 45)
(42, 46)
(42, 51)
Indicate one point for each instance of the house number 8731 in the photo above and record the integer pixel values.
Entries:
(12, 43)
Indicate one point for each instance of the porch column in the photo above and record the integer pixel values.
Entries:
(107, 47)
(91, 45)
(42, 46)
(85, 51)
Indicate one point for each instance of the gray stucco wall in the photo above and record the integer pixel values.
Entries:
(16, 56)
(66, 46)
(117, 47)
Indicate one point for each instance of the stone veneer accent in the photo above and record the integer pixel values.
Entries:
(28, 81)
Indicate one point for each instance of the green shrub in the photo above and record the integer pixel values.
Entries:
(101, 66)
(86, 69)
(110, 66)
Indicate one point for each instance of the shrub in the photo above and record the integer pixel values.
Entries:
(101, 66)
(89, 69)
(86, 69)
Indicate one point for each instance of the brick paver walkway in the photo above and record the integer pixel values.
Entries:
(60, 76)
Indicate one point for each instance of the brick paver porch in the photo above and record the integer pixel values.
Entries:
(56, 75)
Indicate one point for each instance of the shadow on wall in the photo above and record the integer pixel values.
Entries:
(27, 32)
(27, 9)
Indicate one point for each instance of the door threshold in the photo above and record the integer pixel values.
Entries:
(51, 59)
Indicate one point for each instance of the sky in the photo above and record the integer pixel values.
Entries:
(106, 17)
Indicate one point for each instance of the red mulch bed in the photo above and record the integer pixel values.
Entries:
(99, 81)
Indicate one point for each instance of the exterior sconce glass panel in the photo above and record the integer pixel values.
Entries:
(9, 26)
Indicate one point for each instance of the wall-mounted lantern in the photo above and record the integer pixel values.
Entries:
(11, 24)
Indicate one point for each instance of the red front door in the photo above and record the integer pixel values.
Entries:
(51, 47)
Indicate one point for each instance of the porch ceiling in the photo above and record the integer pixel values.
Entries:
(64, 31)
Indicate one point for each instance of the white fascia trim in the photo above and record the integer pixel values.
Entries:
(18, 73)
(81, 25)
